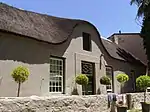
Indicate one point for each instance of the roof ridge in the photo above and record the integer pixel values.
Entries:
(38, 26)
(44, 14)
(123, 34)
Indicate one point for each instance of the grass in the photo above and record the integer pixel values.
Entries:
(135, 110)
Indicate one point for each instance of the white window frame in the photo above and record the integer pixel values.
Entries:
(55, 75)
(111, 78)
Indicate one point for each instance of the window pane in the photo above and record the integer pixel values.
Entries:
(57, 89)
(56, 83)
(89, 87)
(59, 83)
(54, 89)
(51, 89)
(90, 79)
(60, 89)
(53, 83)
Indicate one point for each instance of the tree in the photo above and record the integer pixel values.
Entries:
(122, 78)
(145, 33)
(142, 82)
(142, 6)
(20, 75)
(82, 79)
(105, 80)
(144, 11)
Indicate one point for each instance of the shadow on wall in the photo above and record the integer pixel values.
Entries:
(98, 91)
(75, 91)
(23, 49)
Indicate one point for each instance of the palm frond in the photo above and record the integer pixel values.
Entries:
(142, 6)
(137, 2)
(141, 10)
(132, 2)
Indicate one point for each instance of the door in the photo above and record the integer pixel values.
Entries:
(88, 70)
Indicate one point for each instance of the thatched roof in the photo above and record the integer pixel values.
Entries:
(49, 29)
(119, 53)
(38, 26)
(132, 42)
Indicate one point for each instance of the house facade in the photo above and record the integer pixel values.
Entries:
(56, 50)
(54, 56)
(121, 60)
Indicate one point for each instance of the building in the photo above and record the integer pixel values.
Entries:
(122, 60)
(56, 50)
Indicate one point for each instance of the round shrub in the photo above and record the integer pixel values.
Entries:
(82, 79)
(105, 80)
(122, 78)
(142, 82)
(20, 74)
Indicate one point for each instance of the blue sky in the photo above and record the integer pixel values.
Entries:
(109, 16)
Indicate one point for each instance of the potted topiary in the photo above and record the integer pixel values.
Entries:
(142, 82)
(105, 80)
(20, 75)
(122, 78)
(83, 80)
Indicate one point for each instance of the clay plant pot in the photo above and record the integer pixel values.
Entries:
(145, 107)
(121, 109)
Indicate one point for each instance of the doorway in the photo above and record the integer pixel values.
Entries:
(88, 69)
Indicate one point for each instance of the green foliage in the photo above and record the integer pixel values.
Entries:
(145, 33)
(20, 74)
(122, 78)
(105, 80)
(82, 79)
(142, 6)
(135, 110)
(142, 82)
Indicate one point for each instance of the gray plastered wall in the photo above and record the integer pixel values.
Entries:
(16, 50)
(124, 67)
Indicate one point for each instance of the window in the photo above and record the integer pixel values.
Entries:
(109, 74)
(56, 74)
(86, 42)
(132, 78)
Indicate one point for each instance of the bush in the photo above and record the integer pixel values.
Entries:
(142, 82)
(82, 79)
(105, 80)
(122, 78)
